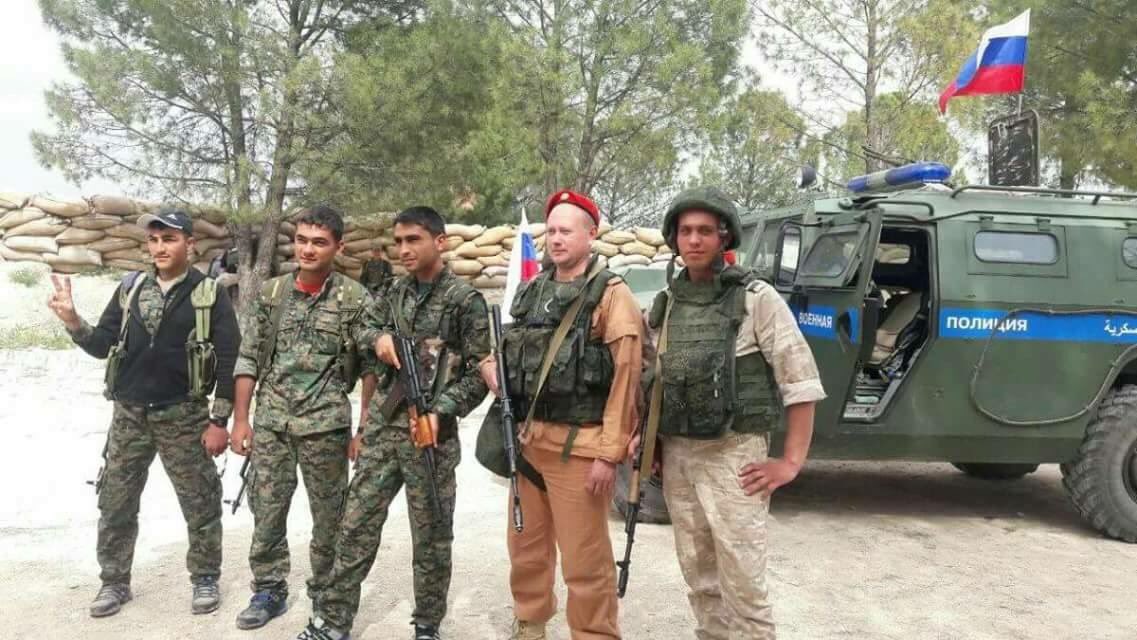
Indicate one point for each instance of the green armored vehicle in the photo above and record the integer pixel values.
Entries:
(994, 328)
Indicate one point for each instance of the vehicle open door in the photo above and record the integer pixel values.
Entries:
(828, 296)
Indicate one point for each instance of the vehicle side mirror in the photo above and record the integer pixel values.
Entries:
(870, 322)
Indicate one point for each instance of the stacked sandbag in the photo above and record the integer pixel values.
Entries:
(78, 235)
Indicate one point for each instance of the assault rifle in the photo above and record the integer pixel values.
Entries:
(236, 502)
(645, 452)
(421, 434)
(508, 422)
(97, 483)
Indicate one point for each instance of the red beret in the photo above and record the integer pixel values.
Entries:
(582, 202)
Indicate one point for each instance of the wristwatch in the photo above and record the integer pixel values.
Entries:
(219, 422)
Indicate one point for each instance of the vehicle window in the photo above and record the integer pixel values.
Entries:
(1129, 252)
(831, 254)
(744, 243)
(791, 253)
(1016, 247)
(893, 253)
(764, 253)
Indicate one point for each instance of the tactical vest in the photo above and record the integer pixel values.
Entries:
(201, 359)
(577, 385)
(349, 296)
(707, 390)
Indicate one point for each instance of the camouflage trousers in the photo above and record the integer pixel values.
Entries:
(322, 459)
(388, 461)
(720, 534)
(174, 434)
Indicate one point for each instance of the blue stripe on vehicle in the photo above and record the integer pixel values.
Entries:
(978, 324)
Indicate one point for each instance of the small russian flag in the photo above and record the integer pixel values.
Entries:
(997, 66)
(523, 265)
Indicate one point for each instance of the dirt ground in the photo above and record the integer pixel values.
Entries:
(858, 550)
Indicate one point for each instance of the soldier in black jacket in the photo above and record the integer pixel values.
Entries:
(175, 345)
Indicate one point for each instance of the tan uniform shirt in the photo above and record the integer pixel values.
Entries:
(769, 327)
(618, 322)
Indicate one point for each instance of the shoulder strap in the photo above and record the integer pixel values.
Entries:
(558, 338)
(202, 298)
(272, 293)
(128, 293)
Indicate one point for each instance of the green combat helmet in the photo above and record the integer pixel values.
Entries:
(707, 198)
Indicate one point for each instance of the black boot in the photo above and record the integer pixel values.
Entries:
(264, 606)
(426, 632)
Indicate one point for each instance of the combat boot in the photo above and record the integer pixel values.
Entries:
(426, 632)
(523, 630)
(206, 595)
(317, 629)
(110, 599)
(264, 606)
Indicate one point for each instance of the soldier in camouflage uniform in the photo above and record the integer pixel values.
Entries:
(377, 276)
(297, 344)
(449, 322)
(732, 361)
(156, 409)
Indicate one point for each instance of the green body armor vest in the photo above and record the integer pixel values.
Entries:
(577, 386)
(707, 390)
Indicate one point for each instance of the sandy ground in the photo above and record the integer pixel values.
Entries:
(858, 550)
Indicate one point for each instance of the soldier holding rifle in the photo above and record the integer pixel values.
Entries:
(573, 358)
(443, 322)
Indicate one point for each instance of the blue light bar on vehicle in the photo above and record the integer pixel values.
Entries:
(907, 175)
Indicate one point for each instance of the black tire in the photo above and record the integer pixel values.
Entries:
(653, 509)
(1102, 480)
(995, 471)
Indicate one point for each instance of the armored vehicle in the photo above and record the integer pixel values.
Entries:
(994, 328)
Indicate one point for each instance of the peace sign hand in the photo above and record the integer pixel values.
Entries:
(62, 304)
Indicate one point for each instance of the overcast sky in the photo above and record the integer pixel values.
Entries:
(32, 62)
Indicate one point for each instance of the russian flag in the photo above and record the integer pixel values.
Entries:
(997, 66)
(523, 265)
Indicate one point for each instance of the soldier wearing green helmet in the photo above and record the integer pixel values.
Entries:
(732, 364)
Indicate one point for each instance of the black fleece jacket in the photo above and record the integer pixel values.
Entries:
(154, 371)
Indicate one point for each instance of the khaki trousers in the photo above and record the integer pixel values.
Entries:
(570, 518)
(720, 534)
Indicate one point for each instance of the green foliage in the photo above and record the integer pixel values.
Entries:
(906, 134)
(34, 337)
(756, 144)
(849, 54)
(26, 276)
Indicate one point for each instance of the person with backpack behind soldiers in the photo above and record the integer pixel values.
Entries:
(170, 338)
(573, 357)
(731, 362)
(300, 351)
(448, 321)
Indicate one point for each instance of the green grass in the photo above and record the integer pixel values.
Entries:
(31, 337)
(27, 276)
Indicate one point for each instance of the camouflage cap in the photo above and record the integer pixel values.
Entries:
(706, 198)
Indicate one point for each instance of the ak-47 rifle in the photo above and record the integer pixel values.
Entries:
(421, 433)
(97, 483)
(236, 502)
(508, 423)
(645, 451)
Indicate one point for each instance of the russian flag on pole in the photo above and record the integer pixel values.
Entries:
(997, 66)
(523, 265)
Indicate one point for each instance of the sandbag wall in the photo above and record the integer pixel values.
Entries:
(101, 231)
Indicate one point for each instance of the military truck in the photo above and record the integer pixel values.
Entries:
(994, 328)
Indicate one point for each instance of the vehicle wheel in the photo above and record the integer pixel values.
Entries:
(995, 471)
(1102, 480)
(653, 509)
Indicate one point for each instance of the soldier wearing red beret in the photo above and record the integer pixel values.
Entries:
(578, 396)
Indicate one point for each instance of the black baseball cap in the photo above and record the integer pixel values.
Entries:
(168, 217)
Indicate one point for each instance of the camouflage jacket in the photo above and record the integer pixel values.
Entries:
(377, 277)
(450, 322)
(302, 391)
